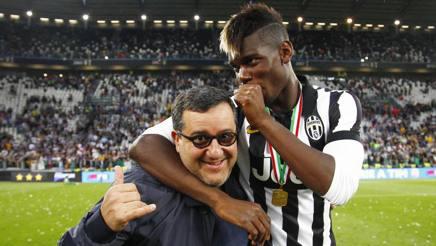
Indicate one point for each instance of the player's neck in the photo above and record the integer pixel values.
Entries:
(288, 97)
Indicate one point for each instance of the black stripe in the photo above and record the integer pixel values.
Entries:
(257, 146)
(343, 135)
(310, 97)
(240, 119)
(334, 112)
(256, 149)
(318, 220)
(356, 126)
(290, 218)
(332, 235)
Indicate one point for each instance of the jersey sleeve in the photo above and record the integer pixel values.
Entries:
(348, 155)
(164, 129)
(343, 144)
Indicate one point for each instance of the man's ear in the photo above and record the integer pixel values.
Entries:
(176, 139)
(286, 52)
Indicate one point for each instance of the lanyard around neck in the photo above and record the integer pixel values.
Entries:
(280, 170)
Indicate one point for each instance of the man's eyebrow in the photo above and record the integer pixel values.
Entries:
(242, 60)
(248, 57)
(204, 132)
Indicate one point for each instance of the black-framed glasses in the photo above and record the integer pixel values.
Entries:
(203, 140)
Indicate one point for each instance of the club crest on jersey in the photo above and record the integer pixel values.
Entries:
(314, 127)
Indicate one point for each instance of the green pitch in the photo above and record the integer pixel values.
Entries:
(381, 213)
(39, 213)
(396, 212)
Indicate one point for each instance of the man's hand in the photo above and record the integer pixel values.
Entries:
(247, 215)
(250, 98)
(122, 203)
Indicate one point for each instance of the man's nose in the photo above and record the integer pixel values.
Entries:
(215, 150)
(244, 75)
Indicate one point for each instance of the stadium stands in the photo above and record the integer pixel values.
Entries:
(69, 121)
(19, 40)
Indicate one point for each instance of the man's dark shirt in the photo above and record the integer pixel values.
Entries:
(177, 220)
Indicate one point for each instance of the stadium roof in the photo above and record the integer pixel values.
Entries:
(410, 12)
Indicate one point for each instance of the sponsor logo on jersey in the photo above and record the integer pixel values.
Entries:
(314, 127)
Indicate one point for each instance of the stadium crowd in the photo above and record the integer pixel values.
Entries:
(19, 40)
(88, 120)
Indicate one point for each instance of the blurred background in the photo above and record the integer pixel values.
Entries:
(80, 79)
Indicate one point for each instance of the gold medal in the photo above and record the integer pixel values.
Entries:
(279, 197)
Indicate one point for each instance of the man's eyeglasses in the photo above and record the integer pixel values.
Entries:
(203, 140)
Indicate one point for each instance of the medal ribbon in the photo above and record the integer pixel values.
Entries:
(278, 166)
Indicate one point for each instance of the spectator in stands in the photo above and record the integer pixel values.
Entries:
(151, 100)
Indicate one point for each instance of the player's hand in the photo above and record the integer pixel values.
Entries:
(122, 203)
(250, 98)
(247, 215)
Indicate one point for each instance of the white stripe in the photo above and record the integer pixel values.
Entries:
(298, 115)
(305, 217)
(279, 236)
(347, 106)
(326, 233)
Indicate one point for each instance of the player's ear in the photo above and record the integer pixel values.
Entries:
(286, 51)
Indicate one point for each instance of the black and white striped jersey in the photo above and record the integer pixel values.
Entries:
(328, 116)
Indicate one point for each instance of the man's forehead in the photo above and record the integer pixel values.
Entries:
(250, 46)
(204, 121)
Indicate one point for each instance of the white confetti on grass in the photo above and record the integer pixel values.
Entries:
(416, 224)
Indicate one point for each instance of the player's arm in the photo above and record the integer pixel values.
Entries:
(157, 155)
(319, 171)
(344, 145)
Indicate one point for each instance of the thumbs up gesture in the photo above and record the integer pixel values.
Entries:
(122, 203)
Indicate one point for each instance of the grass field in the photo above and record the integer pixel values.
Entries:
(381, 213)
